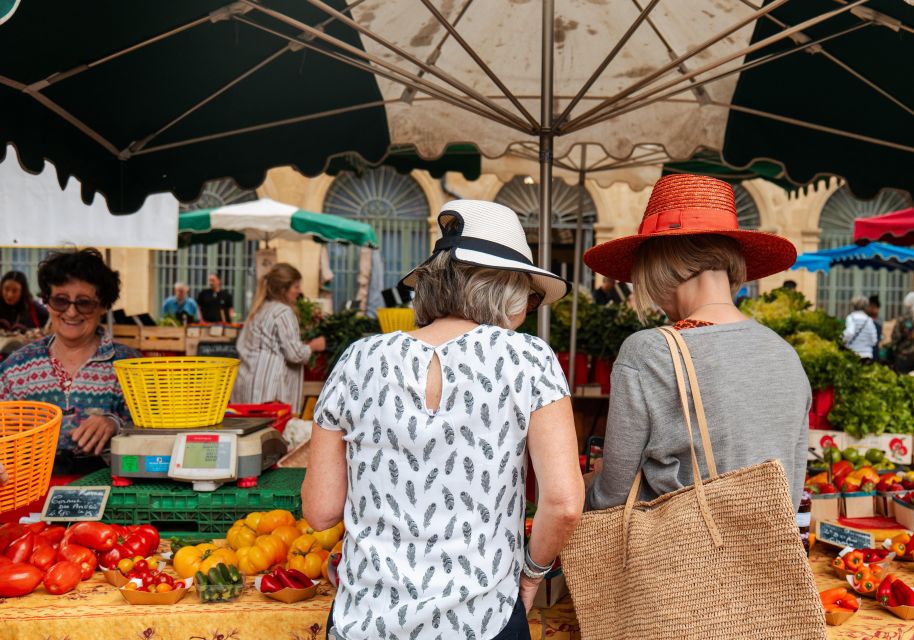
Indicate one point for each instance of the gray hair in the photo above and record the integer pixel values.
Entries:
(446, 287)
(859, 303)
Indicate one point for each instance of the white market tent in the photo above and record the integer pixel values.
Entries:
(36, 212)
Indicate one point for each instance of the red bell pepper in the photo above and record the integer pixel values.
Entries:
(20, 549)
(135, 540)
(299, 577)
(903, 593)
(43, 556)
(151, 534)
(97, 536)
(82, 556)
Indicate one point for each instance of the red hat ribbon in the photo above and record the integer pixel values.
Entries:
(692, 219)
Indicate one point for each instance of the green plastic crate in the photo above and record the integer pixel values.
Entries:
(176, 507)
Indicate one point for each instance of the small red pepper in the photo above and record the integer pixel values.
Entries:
(301, 578)
(288, 581)
(904, 593)
(885, 588)
(269, 584)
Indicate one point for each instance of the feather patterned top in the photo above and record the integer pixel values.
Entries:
(435, 509)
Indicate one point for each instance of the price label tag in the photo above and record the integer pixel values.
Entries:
(840, 536)
(73, 504)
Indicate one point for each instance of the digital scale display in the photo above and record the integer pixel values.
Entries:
(206, 452)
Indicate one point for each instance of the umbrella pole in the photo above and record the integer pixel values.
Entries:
(546, 140)
(576, 271)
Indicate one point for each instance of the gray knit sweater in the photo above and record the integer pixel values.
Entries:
(756, 397)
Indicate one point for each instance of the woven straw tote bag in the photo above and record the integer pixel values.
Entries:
(720, 559)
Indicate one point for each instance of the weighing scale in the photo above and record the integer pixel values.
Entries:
(236, 449)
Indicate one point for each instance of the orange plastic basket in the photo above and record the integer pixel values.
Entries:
(396, 319)
(28, 444)
(182, 392)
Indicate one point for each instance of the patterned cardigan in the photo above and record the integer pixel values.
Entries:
(28, 374)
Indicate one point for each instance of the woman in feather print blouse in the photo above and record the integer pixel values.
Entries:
(423, 447)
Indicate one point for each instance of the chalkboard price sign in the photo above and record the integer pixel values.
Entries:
(217, 349)
(835, 534)
(72, 504)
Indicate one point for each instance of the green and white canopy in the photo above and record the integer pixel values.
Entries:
(267, 220)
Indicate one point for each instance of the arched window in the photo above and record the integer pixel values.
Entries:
(523, 197)
(396, 207)
(836, 222)
(747, 214)
(232, 261)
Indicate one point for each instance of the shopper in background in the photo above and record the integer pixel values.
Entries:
(423, 446)
(18, 311)
(73, 367)
(860, 331)
(690, 258)
(872, 310)
(902, 345)
(270, 346)
(610, 291)
(215, 303)
(180, 305)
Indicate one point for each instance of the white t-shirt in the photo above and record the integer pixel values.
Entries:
(435, 508)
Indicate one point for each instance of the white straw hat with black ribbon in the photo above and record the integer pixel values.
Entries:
(487, 234)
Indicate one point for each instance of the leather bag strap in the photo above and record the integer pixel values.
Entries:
(675, 346)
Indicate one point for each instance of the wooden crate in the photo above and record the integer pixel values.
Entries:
(127, 334)
(162, 339)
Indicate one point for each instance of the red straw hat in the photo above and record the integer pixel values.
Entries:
(685, 205)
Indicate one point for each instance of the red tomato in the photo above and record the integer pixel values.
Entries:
(141, 543)
(18, 579)
(82, 556)
(53, 534)
(97, 536)
(163, 578)
(148, 579)
(62, 577)
(20, 549)
(9, 531)
(43, 557)
(152, 536)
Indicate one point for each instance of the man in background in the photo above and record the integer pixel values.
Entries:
(610, 291)
(180, 305)
(216, 304)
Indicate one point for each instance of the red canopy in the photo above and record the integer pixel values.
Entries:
(894, 228)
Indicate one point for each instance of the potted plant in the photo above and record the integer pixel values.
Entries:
(608, 327)
(560, 333)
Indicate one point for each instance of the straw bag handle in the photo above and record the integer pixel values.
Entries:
(677, 345)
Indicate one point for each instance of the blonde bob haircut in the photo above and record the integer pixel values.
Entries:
(446, 287)
(662, 264)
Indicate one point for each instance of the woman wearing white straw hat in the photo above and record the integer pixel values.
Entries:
(690, 258)
(423, 442)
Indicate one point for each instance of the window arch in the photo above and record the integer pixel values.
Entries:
(747, 212)
(232, 261)
(523, 197)
(835, 289)
(395, 205)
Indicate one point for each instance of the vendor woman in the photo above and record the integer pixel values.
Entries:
(73, 367)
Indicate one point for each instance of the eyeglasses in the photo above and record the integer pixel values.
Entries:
(534, 300)
(85, 306)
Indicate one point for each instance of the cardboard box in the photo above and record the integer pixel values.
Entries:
(885, 505)
(552, 589)
(819, 439)
(904, 513)
(858, 505)
(825, 507)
